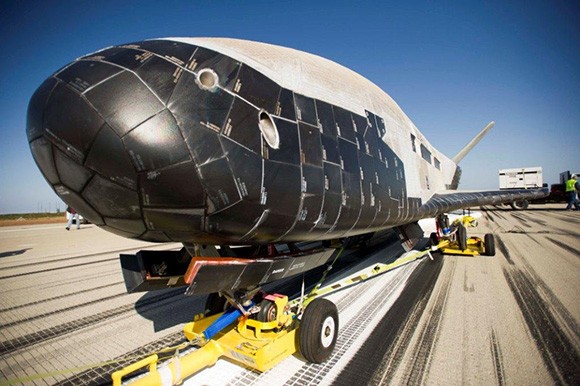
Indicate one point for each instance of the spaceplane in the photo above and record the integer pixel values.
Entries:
(226, 142)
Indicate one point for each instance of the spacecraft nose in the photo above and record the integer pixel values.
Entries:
(104, 138)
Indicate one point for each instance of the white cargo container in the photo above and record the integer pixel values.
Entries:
(521, 178)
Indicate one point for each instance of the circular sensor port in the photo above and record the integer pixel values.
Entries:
(268, 129)
(207, 79)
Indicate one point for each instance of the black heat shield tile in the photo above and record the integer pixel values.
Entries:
(305, 109)
(368, 210)
(207, 275)
(124, 101)
(135, 227)
(178, 186)
(79, 204)
(330, 149)
(242, 126)
(372, 139)
(172, 219)
(258, 89)
(271, 226)
(246, 168)
(71, 173)
(285, 106)
(125, 57)
(351, 201)
(326, 119)
(349, 156)
(204, 144)
(378, 123)
(282, 187)
(181, 52)
(109, 158)
(156, 143)
(344, 122)
(289, 150)
(218, 180)
(83, 74)
(193, 106)
(36, 106)
(119, 201)
(161, 75)
(71, 122)
(361, 124)
(310, 145)
(312, 198)
(225, 67)
(42, 152)
(235, 221)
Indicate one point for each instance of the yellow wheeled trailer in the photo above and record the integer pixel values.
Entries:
(452, 239)
(256, 344)
(260, 339)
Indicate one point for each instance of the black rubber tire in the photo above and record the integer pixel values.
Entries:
(215, 304)
(489, 245)
(462, 237)
(318, 330)
(523, 204)
(268, 311)
(434, 239)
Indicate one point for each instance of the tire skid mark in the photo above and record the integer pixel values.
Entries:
(379, 358)
(558, 353)
(311, 373)
(28, 340)
(555, 303)
(60, 297)
(533, 218)
(564, 246)
(418, 369)
(498, 214)
(497, 356)
(504, 250)
(521, 219)
(489, 216)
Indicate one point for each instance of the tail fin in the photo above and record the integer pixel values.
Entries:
(463, 152)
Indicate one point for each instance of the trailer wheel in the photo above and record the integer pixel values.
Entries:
(268, 311)
(215, 304)
(489, 245)
(462, 237)
(318, 330)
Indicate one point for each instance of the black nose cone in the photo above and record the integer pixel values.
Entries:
(103, 137)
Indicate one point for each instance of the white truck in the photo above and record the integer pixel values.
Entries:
(520, 178)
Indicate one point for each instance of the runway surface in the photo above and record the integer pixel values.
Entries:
(510, 319)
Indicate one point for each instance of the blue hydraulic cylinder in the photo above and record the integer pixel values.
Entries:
(229, 317)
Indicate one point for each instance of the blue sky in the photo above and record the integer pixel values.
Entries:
(451, 66)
